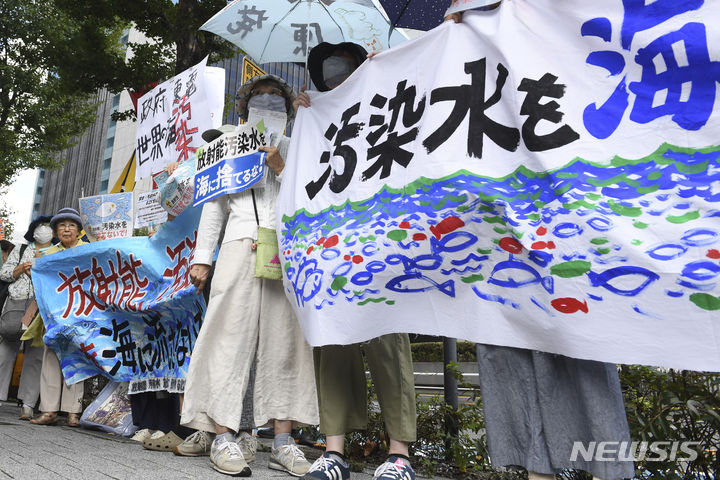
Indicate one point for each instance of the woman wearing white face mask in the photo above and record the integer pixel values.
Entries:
(248, 318)
(16, 271)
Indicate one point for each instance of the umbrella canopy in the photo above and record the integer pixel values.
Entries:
(424, 14)
(285, 30)
(416, 14)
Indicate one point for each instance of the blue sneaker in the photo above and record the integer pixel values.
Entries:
(394, 469)
(328, 468)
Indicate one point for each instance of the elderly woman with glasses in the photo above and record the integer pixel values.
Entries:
(55, 394)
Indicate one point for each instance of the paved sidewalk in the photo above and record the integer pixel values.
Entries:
(37, 452)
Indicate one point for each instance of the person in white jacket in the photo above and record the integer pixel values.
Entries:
(248, 317)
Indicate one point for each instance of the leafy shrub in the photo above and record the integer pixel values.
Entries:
(674, 406)
(433, 352)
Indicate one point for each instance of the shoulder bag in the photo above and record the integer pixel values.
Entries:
(267, 260)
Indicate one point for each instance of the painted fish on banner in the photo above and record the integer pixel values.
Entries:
(560, 195)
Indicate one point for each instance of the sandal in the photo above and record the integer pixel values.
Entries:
(73, 420)
(163, 444)
(45, 418)
(26, 413)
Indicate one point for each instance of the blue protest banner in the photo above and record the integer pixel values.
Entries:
(124, 308)
(229, 176)
(231, 163)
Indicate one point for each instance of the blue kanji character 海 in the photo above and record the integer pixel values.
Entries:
(688, 83)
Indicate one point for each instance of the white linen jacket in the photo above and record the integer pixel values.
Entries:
(235, 212)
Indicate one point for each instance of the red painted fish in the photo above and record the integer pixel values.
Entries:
(569, 305)
(448, 225)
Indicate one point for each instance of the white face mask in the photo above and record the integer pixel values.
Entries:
(43, 234)
(268, 101)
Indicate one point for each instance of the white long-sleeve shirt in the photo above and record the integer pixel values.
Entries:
(237, 211)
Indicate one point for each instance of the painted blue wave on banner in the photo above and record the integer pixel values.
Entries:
(124, 308)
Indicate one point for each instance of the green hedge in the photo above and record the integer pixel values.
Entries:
(433, 352)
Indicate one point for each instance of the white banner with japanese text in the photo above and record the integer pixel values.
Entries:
(173, 116)
(148, 211)
(545, 176)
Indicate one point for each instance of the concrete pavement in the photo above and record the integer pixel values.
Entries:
(36, 452)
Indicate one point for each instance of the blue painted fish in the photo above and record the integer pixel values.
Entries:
(645, 276)
(518, 274)
(417, 282)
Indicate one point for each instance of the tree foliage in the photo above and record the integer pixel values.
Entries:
(39, 114)
(56, 55)
(8, 225)
(175, 43)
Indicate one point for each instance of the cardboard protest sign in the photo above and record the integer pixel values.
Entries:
(173, 115)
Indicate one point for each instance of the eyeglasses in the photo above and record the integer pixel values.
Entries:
(67, 226)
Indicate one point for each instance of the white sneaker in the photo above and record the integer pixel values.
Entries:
(248, 446)
(290, 459)
(156, 434)
(227, 458)
(142, 435)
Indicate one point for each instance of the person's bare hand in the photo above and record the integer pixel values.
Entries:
(273, 159)
(170, 168)
(455, 17)
(302, 100)
(198, 276)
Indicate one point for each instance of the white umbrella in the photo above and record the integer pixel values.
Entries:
(285, 30)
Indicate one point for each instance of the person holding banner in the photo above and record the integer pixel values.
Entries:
(339, 369)
(55, 394)
(248, 318)
(16, 271)
(539, 406)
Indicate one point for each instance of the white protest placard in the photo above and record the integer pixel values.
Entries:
(148, 211)
(230, 164)
(173, 115)
(553, 184)
(107, 216)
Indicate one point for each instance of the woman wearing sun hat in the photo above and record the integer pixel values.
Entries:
(55, 394)
(248, 318)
